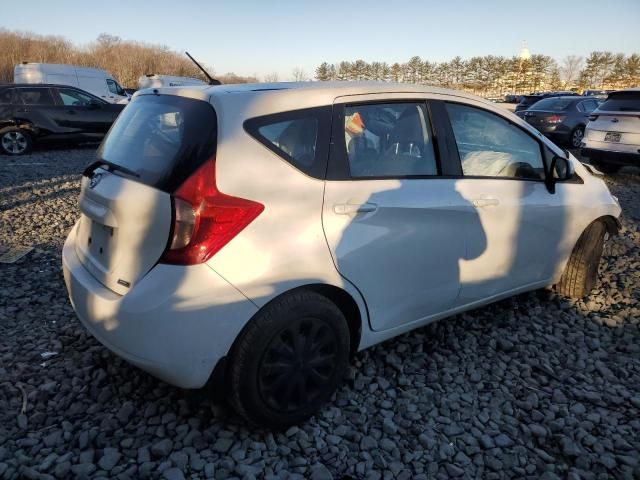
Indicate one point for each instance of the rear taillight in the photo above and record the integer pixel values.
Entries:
(593, 118)
(555, 119)
(205, 219)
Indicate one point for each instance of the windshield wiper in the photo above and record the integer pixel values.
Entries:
(109, 167)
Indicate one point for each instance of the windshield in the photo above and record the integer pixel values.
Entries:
(621, 102)
(554, 104)
(163, 139)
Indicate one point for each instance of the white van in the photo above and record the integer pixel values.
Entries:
(157, 81)
(93, 80)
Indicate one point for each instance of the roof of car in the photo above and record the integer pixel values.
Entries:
(327, 90)
(348, 87)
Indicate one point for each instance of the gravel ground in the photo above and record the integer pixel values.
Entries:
(535, 386)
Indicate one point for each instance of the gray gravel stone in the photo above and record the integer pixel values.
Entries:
(389, 427)
(503, 441)
(110, 458)
(222, 445)
(162, 448)
(179, 459)
(173, 474)
(320, 472)
(83, 469)
(125, 412)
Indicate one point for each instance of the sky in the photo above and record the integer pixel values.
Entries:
(260, 37)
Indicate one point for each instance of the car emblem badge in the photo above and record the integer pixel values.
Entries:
(95, 180)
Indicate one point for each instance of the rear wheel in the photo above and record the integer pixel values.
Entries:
(15, 141)
(576, 136)
(581, 273)
(289, 360)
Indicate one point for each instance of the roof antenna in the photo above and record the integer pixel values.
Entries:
(212, 81)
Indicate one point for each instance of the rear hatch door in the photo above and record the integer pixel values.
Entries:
(125, 201)
(617, 119)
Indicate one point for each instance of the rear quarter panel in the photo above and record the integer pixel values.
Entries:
(285, 246)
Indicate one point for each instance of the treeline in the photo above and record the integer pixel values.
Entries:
(125, 60)
(495, 76)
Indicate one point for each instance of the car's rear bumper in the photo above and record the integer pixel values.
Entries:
(176, 323)
(617, 158)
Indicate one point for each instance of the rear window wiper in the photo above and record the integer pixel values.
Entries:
(109, 167)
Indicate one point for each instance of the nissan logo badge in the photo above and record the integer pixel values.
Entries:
(95, 180)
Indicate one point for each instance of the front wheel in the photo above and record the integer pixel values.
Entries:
(576, 137)
(15, 141)
(289, 360)
(581, 273)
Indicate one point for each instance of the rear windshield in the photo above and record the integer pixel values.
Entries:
(554, 104)
(529, 99)
(621, 102)
(163, 138)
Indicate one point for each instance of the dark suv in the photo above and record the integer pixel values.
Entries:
(38, 112)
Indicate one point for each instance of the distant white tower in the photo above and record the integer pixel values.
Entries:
(524, 51)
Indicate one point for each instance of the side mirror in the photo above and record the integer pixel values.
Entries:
(561, 169)
(94, 105)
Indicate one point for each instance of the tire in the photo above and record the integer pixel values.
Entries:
(15, 141)
(575, 139)
(581, 272)
(271, 380)
(606, 167)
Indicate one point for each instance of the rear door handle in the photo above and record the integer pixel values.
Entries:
(485, 202)
(351, 208)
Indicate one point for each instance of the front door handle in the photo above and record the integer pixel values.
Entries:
(71, 112)
(485, 202)
(351, 208)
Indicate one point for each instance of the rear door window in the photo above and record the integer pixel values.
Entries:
(76, 98)
(299, 136)
(36, 96)
(163, 139)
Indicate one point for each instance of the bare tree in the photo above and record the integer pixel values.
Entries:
(125, 60)
(271, 77)
(299, 75)
(570, 69)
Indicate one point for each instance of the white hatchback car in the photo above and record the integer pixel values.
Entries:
(612, 137)
(274, 230)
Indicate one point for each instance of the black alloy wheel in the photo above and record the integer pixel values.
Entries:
(298, 365)
(288, 360)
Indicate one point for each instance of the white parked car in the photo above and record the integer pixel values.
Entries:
(274, 230)
(156, 81)
(93, 80)
(612, 137)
